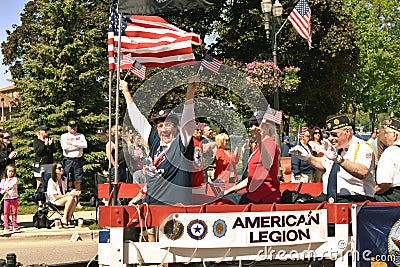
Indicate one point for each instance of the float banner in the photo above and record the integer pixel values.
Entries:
(160, 6)
(243, 229)
(378, 236)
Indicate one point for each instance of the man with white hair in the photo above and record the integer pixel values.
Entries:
(387, 188)
(348, 163)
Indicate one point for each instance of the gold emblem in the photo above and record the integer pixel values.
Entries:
(336, 121)
(161, 112)
(331, 200)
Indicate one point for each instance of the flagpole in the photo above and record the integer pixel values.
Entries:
(115, 197)
(109, 127)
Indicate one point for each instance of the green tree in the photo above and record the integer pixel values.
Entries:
(374, 85)
(57, 60)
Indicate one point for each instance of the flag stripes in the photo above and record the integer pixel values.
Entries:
(151, 40)
(300, 18)
(211, 63)
(273, 115)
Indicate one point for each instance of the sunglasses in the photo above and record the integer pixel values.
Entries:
(7, 137)
(333, 134)
(317, 132)
(59, 168)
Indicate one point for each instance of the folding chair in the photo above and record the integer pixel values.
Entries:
(56, 211)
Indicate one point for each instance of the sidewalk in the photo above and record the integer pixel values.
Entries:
(27, 230)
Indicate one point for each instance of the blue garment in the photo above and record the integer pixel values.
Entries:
(285, 149)
(171, 183)
(301, 166)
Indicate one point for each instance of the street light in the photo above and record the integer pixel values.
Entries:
(272, 22)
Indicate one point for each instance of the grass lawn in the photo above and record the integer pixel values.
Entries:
(31, 209)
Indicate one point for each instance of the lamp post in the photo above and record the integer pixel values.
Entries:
(272, 22)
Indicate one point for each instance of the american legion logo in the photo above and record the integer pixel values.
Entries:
(394, 243)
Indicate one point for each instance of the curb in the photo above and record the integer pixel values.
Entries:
(46, 234)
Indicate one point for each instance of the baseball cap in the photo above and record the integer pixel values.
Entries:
(162, 116)
(336, 121)
(286, 137)
(72, 123)
(43, 128)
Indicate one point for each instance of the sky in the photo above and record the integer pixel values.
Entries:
(9, 14)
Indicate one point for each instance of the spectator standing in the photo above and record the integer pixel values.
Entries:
(301, 170)
(110, 152)
(44, 148)
(73, 144)
(262, 184)
(285, 146)
(7, 157)
(209, 150)
(318, 147)
(387, 188)
(9, 188)
(348, 163)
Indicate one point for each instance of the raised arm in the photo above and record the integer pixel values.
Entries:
(139, 121)
(188, 124)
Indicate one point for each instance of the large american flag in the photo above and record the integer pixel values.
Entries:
(211, 63)
(134, 66)
(273, 115)
(300, 18)
(151, 40)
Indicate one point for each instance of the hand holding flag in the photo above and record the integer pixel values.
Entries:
(273, 115)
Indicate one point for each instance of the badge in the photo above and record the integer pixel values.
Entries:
(197, 229)
(219, 228)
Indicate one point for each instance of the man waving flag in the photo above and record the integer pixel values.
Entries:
(300, 18)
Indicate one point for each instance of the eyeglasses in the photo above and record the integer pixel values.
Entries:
(6, 137)
(389, 133)
(59, 168)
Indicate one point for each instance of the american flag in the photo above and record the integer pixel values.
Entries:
(151, 40)
(302, 131)
(273, 115)
(300, 18)
(134, 66)
(211, 63)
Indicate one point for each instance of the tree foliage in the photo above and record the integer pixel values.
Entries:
(374, 85)
(57, 61)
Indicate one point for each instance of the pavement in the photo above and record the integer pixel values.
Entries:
(27, 230)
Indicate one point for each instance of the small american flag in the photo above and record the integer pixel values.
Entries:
(300, 18)
(303, 130)
(134, 66)
(273, 115)
(211, 63)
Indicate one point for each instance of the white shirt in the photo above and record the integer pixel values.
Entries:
(54, 189)
(388, 170)
(75, 150)
(359, 152)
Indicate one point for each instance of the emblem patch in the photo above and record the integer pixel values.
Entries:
(394, 243)
(197, 229)
(219, 228)
(173, 229)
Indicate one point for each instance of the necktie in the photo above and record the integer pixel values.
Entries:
(332, 182)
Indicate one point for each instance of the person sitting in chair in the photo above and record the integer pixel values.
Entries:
(58, 195)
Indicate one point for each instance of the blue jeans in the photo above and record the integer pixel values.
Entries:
(121, 174)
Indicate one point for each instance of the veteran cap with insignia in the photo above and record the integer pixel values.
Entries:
(43, 128)
(336, 121)
(394, 124)
(162, 115)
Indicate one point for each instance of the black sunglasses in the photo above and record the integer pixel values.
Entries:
(59, 168)
(7, 137)
(333, 134)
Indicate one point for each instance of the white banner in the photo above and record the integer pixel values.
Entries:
(243, 229)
